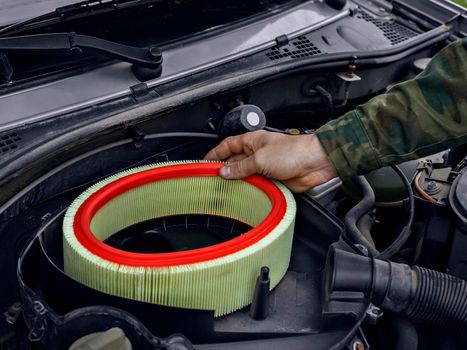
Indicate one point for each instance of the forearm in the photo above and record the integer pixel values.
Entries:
(414, 119)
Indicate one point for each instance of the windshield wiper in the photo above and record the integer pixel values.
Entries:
(73, 11)
(148, 57)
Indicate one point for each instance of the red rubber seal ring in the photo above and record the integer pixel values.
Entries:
(85, 213)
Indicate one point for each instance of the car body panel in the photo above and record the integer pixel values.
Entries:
(115, 80)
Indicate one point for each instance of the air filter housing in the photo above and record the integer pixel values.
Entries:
(220, 277)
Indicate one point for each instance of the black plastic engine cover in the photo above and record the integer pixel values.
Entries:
(295, 308)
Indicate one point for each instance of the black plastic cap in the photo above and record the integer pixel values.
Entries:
(337, 4)
(242, 119)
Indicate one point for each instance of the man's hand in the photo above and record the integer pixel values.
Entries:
(299, 162)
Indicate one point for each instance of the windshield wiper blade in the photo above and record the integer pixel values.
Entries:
(73, 11)
(148, 57)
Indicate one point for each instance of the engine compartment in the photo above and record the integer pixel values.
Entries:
(295, 313)
(55, 160)
(299, 315)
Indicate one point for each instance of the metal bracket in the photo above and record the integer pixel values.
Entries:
(6, 71)
(137, 135)
(13, 313)
(348, 76)
(373, 314)
(39, 325)
(140, 91)
(282, 40)
(359, 341)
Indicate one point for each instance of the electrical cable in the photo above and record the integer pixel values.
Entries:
(326, 98)
(269, 128)
(343, 342)
(420, 189)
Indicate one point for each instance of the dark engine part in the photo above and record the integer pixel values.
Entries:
(362, 207)
(458, 201)
(294, 319)
(260, 305)
(354, 214)
(47, 311)
(241, 119)
(457, 263)
(442, 199)
(337, 4)
(389, 189)
(420, 293)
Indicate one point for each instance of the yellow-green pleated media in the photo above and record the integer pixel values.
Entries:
(223, 284)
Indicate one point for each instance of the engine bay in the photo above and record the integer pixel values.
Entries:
(293, 87)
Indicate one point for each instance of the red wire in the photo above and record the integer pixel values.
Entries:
(420, 189)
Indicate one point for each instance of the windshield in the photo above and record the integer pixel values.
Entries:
(12, 11)
(134, 23)
(129, 21)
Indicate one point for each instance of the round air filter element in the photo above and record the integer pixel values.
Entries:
(219, 277)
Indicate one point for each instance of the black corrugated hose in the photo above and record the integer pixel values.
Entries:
(423, 294)
(440, 299)
(420, 293)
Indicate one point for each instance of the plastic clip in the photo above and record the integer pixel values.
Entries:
(39, 325)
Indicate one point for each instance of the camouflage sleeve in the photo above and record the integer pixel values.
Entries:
(416, 118)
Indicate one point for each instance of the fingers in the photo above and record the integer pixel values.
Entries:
(300, 162)
(240, 169)
(236, 158)
(246, 143)
(238, 151)
(230, 146)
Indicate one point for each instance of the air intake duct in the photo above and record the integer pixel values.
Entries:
(420, 293)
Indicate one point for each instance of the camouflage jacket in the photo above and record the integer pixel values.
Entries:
(414, 119)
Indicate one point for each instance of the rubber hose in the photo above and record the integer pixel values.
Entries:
(364, 225)
(440, 299)
(431, 296)
(354, 214)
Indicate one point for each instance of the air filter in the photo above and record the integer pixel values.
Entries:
(219, 277)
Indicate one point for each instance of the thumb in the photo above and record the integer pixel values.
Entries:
(239, 169)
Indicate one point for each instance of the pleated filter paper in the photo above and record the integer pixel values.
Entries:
(220, 277)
